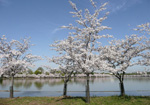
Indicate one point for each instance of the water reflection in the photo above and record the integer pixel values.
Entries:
(38, 85)
(139, 79)
(133, 84)
(26, 83)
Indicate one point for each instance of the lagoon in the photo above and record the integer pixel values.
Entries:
(104, 86)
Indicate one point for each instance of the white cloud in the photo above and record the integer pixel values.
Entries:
(56, 30)
(116, 5)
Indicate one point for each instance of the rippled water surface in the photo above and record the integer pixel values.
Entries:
(98, 86)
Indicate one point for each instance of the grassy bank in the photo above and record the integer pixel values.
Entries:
(111, 100)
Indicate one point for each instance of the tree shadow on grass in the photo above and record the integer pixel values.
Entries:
(75, 98)
(128, 97)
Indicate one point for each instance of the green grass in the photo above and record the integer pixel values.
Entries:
(111, 100)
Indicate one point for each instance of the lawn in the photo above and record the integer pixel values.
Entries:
(111, 100)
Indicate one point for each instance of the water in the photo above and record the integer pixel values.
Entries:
(108, 86)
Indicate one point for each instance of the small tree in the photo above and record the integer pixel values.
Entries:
(29, 71)
(39, 70)
(64, 61)
(14, 58)
(46, 73)
(122, 54)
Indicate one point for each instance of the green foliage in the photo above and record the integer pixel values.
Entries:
(62, 74)
(53, 71)
(92, 73)
(47, 73)
(39, 70)
(20, 73)
(131, 74)
(57, 72)
(30, 71)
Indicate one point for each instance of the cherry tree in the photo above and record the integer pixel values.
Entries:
(64, 61)
(86, 36)
(145, 60)
(14, 58)
(145, 29)
(120, 55)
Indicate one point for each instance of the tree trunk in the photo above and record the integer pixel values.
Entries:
(87, 90)
(65, 84)
(65, 88)
(122, 91)
(1, 80)
(11, 87)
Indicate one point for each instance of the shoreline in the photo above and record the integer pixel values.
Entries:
(78, 76)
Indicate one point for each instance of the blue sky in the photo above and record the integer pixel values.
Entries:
(41, 20)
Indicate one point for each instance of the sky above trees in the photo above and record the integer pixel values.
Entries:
(41, 20)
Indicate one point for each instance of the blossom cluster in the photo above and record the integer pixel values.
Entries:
(14, 57)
